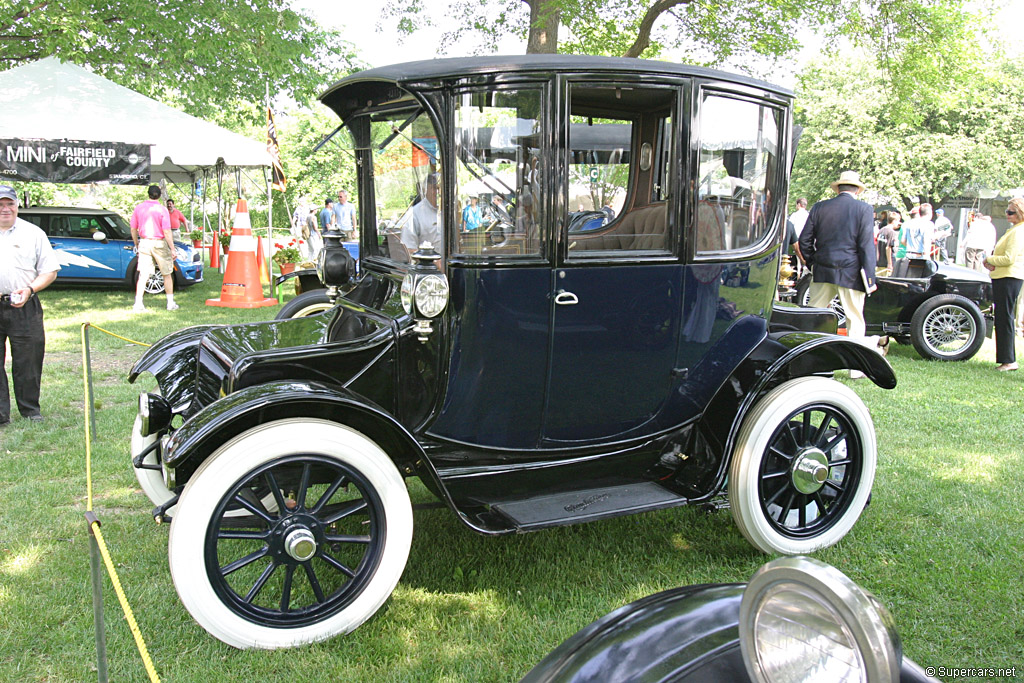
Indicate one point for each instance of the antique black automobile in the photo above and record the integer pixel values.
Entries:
(944, 310)
(798, 619)
(544, 368)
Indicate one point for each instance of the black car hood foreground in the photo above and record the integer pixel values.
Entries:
(684, 635)
(198, 359)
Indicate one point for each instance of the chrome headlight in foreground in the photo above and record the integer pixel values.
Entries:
(431, 295)
(803, 620)
(155, 414)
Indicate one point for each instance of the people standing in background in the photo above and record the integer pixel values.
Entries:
(943, 229)
(799, 217)
(887, 237)
(838, 245)
(308, 230)
(1006, 268)
(979, 242)
(178, 222)
(154, 242)
(345, 215)
(919, 233)
(471, 216)
(28, 265)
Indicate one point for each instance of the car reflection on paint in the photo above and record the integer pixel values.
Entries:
(545, 377)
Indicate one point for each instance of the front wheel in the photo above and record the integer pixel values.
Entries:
(318, 562)
(947, 327)
(305, 304)
(803, 466)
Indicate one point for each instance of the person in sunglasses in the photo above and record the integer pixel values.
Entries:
(1006, 266)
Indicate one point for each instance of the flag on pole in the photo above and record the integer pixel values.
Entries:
(279, 181)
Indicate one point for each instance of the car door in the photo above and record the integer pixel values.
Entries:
(617, 285)
(81, 257)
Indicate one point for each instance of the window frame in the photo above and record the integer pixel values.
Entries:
(675, 201)
(531, 82)
(772, 235)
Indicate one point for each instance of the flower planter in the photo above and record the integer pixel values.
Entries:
(286, 268)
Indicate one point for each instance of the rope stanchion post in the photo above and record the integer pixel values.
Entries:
(97, 602)
(89, 397)
(97, 547)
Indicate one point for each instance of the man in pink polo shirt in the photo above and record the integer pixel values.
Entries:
(151, 232)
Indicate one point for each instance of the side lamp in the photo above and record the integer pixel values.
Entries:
(335, 265)
(424, 290)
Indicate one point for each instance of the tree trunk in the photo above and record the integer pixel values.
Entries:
(545, 17)
(643, 38)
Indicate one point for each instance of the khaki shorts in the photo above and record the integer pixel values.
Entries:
(153, 254)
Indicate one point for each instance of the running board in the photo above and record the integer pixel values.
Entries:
(572, 507)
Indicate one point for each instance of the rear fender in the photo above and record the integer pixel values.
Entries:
(780, 357)
(200, 435)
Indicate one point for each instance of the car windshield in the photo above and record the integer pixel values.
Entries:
(407, 185)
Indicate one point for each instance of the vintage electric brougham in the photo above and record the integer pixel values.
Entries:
(593, 336)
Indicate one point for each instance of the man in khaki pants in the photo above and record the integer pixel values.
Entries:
(154, 241)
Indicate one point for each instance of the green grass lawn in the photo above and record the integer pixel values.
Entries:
(941, 543)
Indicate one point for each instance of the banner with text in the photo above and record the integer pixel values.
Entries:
(73, 161)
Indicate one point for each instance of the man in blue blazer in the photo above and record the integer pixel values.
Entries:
(838, 244)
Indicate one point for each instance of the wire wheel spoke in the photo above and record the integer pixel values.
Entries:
(260, 582)
(244, 561)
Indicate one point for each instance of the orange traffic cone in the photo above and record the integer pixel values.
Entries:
(242, 287)
(261, 262)
(215, 252)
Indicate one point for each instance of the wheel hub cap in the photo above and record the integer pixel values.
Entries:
(300, 544)
(810, 470)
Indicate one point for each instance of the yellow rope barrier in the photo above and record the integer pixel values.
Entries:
(94, 527)
(94, 524)
(130, 341)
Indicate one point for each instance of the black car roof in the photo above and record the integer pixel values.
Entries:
(431, 69)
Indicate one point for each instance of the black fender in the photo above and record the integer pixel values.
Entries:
(779, 357)
(307, 280)
(207, 430)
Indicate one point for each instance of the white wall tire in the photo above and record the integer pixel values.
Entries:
(256, 581)
(151, 480)
(794, 489)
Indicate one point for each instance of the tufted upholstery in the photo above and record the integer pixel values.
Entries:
(638, 229)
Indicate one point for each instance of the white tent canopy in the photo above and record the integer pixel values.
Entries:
(51, 100)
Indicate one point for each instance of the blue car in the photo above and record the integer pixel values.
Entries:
(94, 246)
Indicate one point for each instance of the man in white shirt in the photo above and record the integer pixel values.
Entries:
(345, 215)
(423, 222)
(27, 266)
(799, 217)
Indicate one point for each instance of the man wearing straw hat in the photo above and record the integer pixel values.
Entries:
(838, 244)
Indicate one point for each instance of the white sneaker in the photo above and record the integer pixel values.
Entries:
(138, 308)
(173, 306)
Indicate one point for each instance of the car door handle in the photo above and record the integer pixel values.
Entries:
(564, 298)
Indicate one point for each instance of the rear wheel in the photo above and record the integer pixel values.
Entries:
(947, 327)
(318, 562)
(803, 466)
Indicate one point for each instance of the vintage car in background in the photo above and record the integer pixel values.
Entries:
(944, 310)
(544, 377)
(797, 620)
(95, 247)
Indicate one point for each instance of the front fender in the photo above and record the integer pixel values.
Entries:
(204, 432)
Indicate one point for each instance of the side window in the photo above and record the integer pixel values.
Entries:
(739, 142)
(82, 226)
(60, 226)
(497, 144)
(407, 184)
(619, 166)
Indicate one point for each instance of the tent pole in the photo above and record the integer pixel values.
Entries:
(270, 231)
(220, 205)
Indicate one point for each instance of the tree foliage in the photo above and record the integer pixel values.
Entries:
(918, 44)
(206, 54)
(961, 141)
